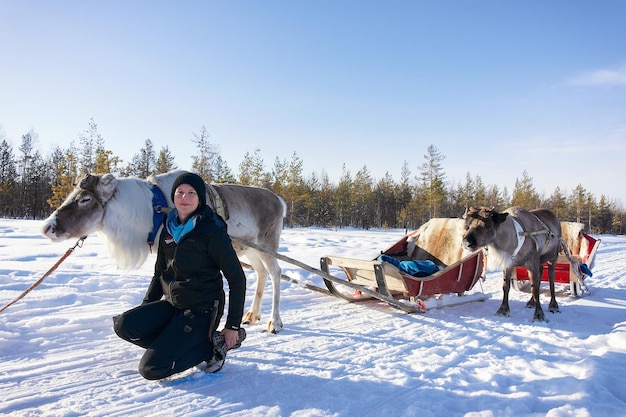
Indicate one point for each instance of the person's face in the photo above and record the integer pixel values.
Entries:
(186, 201)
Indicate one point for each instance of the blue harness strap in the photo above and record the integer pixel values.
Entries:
(158, 204)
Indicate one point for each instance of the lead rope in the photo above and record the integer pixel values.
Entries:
(78, 244)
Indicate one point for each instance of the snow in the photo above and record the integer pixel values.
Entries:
(60, 357)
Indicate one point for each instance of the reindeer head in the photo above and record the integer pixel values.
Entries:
(480, 226)
(82, 211)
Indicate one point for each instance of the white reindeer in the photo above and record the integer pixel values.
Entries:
(126, 212)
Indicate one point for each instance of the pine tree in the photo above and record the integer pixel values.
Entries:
(557, 202)
(223, 173)
(322, 195)
(524, 194)
(577, 203)
(405, 195)
(617, 222)
(89, 140)
(252, 171)
(94, 157)
(480, 191)
(385, 202)
(143, 164)
(64, 165)
(294, 192)
(106, 162)
(8, 179)
(34, 187)
(25, 171)
(433, 179)
(280, 176)
(495, 198)
(604, 215)
(343, 199)
(467, 193)
(204, 161)
(362, 201)
(165, 161)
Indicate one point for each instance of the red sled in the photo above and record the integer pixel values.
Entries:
(439, 241)
(582, 248)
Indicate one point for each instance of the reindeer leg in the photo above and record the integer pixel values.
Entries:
(254, 313)
(531, 303)
(536, 281)
(262, 263)
(275, 324)
(504, 309)
(554, 306)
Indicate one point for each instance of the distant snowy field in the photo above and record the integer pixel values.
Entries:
(60, 357)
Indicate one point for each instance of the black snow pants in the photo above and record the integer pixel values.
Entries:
(174, 339)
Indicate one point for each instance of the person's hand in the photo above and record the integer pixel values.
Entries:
(230, 336)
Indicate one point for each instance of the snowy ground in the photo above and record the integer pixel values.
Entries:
(60, 357)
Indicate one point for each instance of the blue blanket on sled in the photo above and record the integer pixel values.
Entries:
(413, 268)
(585, 269)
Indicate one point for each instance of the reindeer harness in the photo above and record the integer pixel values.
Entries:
(522, 234)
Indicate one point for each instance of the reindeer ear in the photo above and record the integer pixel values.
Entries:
(499, 217)
(106, 187)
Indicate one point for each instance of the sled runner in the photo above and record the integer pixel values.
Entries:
(436, 242)
(583, 249)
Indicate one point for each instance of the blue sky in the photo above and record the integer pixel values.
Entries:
(498, 87)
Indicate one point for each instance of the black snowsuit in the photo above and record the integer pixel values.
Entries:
(173, 321)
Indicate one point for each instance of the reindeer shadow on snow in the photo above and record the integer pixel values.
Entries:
(127, 213)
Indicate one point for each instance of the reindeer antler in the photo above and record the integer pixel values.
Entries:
(88, 182)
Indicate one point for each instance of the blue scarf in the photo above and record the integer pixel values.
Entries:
(176, 229)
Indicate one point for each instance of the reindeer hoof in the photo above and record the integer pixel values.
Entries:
(250, 318)
(503, 312)
(554, 309)
(274, 329)
(540, 317)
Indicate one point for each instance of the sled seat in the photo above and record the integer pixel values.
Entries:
(581, 246)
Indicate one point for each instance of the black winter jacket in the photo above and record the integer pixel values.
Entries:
(189, 274)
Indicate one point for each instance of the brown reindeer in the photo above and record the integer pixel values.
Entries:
(517, 237)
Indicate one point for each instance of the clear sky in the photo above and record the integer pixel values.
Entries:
(498, 87)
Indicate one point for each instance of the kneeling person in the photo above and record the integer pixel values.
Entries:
(178, 318)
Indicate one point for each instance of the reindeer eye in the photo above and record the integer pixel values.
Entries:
(84, 200)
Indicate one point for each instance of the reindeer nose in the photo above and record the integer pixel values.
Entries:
(469, 242)
(48, 229)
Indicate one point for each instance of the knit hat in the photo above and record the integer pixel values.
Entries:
(196, 182)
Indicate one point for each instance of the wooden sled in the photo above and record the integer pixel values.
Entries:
(438, 240)
(583, 249)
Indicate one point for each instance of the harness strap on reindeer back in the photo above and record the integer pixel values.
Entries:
(521, 237)
(522, 234)
(158, 204)
(217, 202)
(546, 230)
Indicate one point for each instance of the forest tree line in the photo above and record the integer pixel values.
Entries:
(32, 186)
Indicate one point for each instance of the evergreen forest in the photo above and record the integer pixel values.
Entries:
(33, 185)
